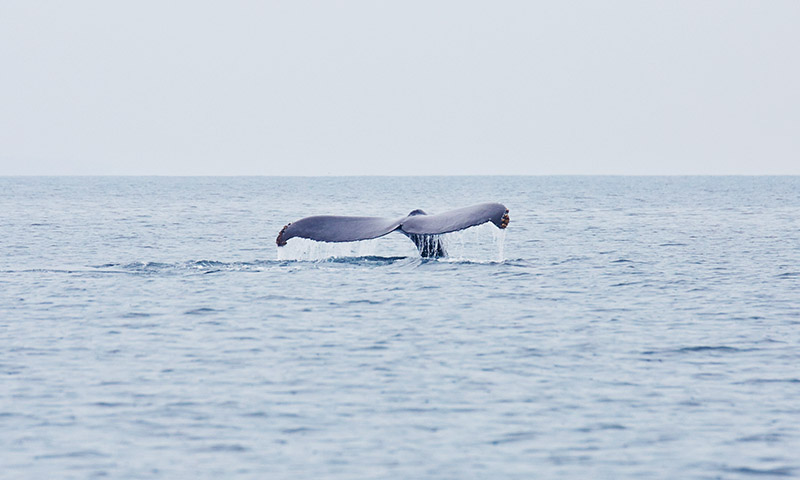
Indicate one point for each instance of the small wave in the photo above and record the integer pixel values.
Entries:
(699, 349)
(190, 266)
(75, 454)
(225, 447)
(625, 284)
(758, 381)
(600, 427)
(297, 430)
(137, 315)
(514, 437)
(110, 404)
(711, 348)
(465, 261)
(519, 262)
(777, 472)
(789, 275)
(43, 270)
(367, 259)
(202, 264)
(530, 352)
(570, 260)
(146, 266)
(205, 267)
(376, 260)
(201, 311)
(364, 301)
(765, 437)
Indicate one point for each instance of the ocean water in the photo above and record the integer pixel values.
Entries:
(621, 327)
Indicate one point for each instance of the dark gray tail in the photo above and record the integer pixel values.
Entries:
(424, 230)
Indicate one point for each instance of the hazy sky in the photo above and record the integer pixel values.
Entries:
(403, 87)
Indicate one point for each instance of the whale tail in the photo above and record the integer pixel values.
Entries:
(423, 229)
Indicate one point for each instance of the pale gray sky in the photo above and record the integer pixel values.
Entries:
(403, 87)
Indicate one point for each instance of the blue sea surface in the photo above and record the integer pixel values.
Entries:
(621, 327)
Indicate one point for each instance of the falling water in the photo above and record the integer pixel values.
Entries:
(474, 244)
(499, 240)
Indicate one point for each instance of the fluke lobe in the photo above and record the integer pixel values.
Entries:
(421, 228)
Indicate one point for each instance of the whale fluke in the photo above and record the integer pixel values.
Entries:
(455, 220)
(421, 228)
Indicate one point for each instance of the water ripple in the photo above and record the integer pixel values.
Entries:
(628, 328)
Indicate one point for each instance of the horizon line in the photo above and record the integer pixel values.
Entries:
(75, 175)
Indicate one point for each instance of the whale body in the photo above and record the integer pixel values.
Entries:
(421, 228)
